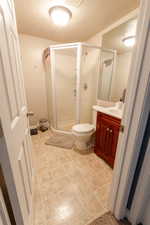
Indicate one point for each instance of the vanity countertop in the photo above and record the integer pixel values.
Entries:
(112, 111)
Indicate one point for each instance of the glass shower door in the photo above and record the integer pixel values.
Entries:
(90, 64)
(64, 87)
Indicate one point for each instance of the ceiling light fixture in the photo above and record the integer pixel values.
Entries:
(60, 15)
(129, 41)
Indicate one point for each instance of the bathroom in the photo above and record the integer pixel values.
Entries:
(78, 86)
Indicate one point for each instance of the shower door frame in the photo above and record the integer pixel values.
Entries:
(79, 46)
(53, 48)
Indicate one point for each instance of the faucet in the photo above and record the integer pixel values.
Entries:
(122, 99)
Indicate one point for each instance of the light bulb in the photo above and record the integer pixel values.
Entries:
(60, 15)
(129, 41)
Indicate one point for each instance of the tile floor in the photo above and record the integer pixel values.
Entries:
(70, 188)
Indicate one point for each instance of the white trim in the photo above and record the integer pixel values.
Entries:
(60, 131)
(133, 120)
(78, 83)
(54, 48)
(58, 46)
(142, 194)
(139, 201)
(77, 44)
(52, 66)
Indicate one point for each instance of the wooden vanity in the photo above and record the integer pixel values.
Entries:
(107, 133)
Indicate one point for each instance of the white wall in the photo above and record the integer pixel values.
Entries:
(34, 75)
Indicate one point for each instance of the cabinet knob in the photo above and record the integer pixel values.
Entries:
(110, 131)
(107, 129)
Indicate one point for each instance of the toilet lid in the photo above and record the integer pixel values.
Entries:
(83, 127)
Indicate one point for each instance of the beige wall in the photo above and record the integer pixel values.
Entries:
(96, 39)
(34, 74)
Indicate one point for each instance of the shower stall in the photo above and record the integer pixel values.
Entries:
(74, 74)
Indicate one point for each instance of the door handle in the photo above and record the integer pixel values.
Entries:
(75, 92)
(30, 114)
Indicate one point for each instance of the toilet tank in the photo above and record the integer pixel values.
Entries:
(94, 117)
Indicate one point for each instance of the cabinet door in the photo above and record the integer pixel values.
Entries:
(107, 133)
(102, 136)
(112, 144)
(99, 138)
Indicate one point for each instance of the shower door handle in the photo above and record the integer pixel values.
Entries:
(30, 114)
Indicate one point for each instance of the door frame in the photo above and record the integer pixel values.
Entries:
(140, 205)
(134, 117)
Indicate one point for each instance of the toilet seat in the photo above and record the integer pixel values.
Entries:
(83, 128)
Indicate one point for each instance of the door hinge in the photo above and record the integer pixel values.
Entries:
(121, 128)
(1, 130)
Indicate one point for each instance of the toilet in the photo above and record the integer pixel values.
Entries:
(83, 132)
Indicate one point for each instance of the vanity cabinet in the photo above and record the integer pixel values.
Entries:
(107, 133)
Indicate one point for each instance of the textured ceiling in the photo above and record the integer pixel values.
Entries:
(88, 17)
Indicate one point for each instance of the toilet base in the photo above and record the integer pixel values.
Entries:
(81, 145)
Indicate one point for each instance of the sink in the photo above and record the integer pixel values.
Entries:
(112, 111)
(117, 111)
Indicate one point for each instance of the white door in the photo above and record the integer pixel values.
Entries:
(13, 117)
(4, 218)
